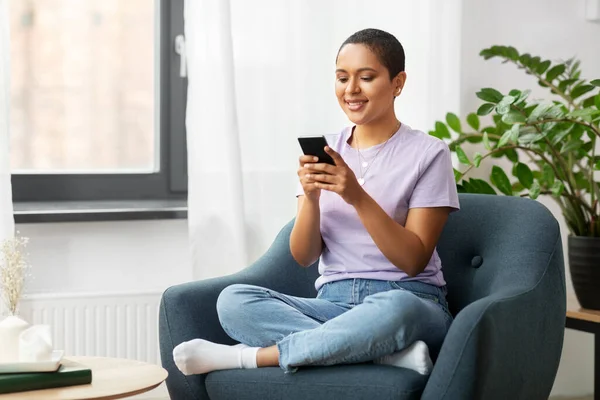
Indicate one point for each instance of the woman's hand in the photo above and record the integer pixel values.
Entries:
(311, 192)
(339, 178)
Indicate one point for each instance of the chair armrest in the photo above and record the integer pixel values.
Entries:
(507, 345)
(188, 311)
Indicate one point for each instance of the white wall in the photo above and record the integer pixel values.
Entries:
(553, 29)
(107, 257)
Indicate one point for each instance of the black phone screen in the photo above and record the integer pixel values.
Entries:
(315, 146)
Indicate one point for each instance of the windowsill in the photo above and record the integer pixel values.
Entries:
(89, 211)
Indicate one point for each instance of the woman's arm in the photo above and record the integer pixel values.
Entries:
(408, 247)
(306, 243)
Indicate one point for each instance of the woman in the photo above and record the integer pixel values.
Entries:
(373, 221)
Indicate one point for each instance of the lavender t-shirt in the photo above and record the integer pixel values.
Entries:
(412, 170)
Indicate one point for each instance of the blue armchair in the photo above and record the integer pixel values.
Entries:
(504, 266)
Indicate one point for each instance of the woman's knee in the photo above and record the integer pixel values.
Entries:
(413, 318)
(233, 300)
(400, 307)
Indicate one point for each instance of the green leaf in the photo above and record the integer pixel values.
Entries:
(486, 142)
(555, 72)
(525, 59)
(503, 108)
(543, 67)
(473, 121)
(535, 189)
(517, 187)
(500, 180)
(581, 90)
(442, 130)
(571, 145)
(505, 104)
(557, 188)
(512, 155)
(490, 95)
(468, 187)
(514, 117)
(462, 156)
(582, 112)
(539, 111)
(582, 182)
(482, 186)
(477, 159)
(523, 96)
(589, 102)
(504, 139)
(563, 85)
(597, 165)
(457, 175)
(474, 139)
(561, 135)
(453, 122)
(596, 82)
(530, 138)
(514, 135)
(524, 175)
(512, 53)
(486, 54)
(548, 174)
(485, 109)
(434, 134)
(597, 101)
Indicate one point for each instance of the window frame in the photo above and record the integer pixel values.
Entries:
(170, 182)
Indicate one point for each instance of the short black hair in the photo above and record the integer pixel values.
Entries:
(385, 46)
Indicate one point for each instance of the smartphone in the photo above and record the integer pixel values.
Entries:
(315, 146)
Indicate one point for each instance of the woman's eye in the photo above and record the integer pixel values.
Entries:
(367, 78)
(342, 80)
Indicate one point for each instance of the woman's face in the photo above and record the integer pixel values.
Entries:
(363, 85)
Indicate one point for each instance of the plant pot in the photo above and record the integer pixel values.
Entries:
(584, 264)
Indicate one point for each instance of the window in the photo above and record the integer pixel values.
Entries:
(97, 102)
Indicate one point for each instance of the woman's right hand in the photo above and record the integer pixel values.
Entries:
(310, 191)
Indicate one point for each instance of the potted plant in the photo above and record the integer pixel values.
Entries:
(551, 146)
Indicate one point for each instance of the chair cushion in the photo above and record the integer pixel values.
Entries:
(348, 382)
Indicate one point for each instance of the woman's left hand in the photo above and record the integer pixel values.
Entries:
(339, 178)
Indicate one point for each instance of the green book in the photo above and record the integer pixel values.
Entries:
(68, 374)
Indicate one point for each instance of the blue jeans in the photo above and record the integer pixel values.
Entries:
(350, 321)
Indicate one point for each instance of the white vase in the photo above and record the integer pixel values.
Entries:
(10, 330)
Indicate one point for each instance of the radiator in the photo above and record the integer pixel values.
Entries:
(108, 325)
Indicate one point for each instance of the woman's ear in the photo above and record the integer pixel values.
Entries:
(399, 81)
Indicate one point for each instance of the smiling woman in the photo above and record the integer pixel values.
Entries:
(381, 291)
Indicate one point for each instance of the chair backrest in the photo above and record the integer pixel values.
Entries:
(491, 245)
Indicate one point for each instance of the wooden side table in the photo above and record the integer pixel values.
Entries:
(588, 321)
(112, 378)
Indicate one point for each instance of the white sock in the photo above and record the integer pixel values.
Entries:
(415, 357)
(200, 356)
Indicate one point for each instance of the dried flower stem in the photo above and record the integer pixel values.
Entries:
(13, 271)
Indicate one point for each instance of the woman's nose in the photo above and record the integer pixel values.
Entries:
(352, 86)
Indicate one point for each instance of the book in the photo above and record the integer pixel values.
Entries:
(69, 373)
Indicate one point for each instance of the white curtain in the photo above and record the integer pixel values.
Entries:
(7, 223)
(261, 73)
